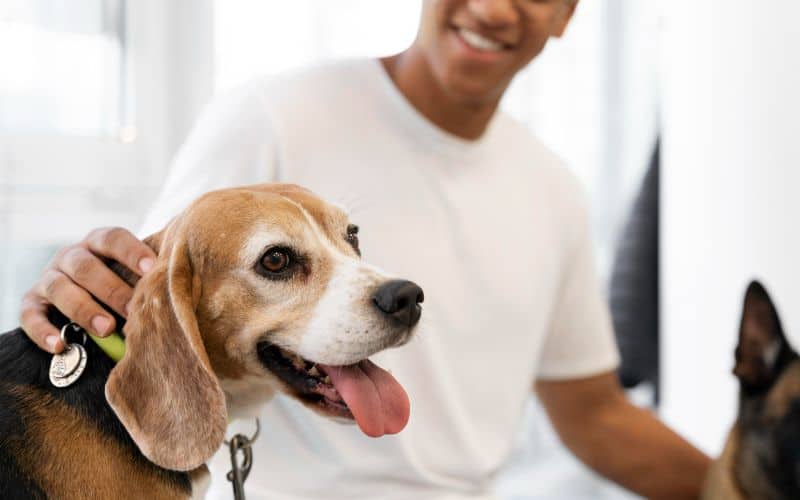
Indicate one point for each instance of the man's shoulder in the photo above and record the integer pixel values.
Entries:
(553, 177)
(319, 81)
(304, 96)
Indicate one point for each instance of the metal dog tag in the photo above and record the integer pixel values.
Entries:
(67, 367)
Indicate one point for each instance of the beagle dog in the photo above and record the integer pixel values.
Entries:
(255, 290)
(761, 458)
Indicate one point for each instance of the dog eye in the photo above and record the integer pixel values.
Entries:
(352, 237)
(276, 260)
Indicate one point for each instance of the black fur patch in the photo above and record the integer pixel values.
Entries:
(13, 483)
(22, 363)
(787, 439)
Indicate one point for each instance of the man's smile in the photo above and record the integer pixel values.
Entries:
(478, 41)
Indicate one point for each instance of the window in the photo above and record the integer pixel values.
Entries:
(66, 68)
(83, 126)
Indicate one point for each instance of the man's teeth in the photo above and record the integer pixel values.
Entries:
(479, 42)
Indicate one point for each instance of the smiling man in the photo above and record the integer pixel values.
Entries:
(457, 196)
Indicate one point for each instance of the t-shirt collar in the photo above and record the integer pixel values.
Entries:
(425, 130)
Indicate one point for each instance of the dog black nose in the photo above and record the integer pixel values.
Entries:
(400, 299)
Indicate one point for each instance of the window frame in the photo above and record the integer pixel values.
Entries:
(171, 81)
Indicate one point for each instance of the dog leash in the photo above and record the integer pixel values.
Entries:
(239, 471)
(67, 366)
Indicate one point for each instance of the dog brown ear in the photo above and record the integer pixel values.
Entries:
(154, 241)
(163, 390)
(763, 351)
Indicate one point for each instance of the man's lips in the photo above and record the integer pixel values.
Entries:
(479, 41)
(474, 46)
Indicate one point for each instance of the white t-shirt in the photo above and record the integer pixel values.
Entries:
(495, 231)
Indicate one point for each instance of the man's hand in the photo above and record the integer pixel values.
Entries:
(620, 441)
(76, 277)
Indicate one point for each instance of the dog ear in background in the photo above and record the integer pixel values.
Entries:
(163, 390)
(763, 351)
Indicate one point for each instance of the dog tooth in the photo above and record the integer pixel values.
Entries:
(327, 379)
(313, 371)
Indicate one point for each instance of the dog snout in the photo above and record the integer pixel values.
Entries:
(400, 300)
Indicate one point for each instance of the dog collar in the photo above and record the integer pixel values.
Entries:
(113, 345)
(67, 366)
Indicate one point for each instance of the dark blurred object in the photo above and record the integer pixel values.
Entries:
(634, 285)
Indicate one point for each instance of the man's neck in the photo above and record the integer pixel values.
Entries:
(413, 76)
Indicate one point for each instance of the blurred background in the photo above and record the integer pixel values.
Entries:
(97, 95)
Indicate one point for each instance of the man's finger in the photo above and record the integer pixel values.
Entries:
(122, 246)
(75, 302)
(33, 319)
(89, 272)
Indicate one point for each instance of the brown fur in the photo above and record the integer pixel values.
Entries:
(165, 380)
(199, 313)
(195, 324)
(736, 471)
(66, 453)
(785, 390)
(761, 454)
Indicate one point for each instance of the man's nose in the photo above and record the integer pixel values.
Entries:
(494, 13)
(400, 300)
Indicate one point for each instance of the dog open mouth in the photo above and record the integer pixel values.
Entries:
(363, 391)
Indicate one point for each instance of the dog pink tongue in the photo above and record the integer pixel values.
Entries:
(378, 402)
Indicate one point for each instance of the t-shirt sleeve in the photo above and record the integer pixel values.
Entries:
(580, 340)
(231, 144)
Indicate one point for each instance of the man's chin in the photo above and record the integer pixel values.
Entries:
(473, 89)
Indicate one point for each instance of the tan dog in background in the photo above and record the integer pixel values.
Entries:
(255, 290)
(761, 458)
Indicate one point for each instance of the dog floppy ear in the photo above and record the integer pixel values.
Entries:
(163, 390)
(763, 351)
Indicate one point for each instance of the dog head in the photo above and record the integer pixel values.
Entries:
(767, 462)
(256, 290)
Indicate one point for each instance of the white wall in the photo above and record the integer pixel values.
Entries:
(731, 193)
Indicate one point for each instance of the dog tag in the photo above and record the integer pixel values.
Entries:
(67, 367)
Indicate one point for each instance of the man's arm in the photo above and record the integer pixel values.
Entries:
(624, 443)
